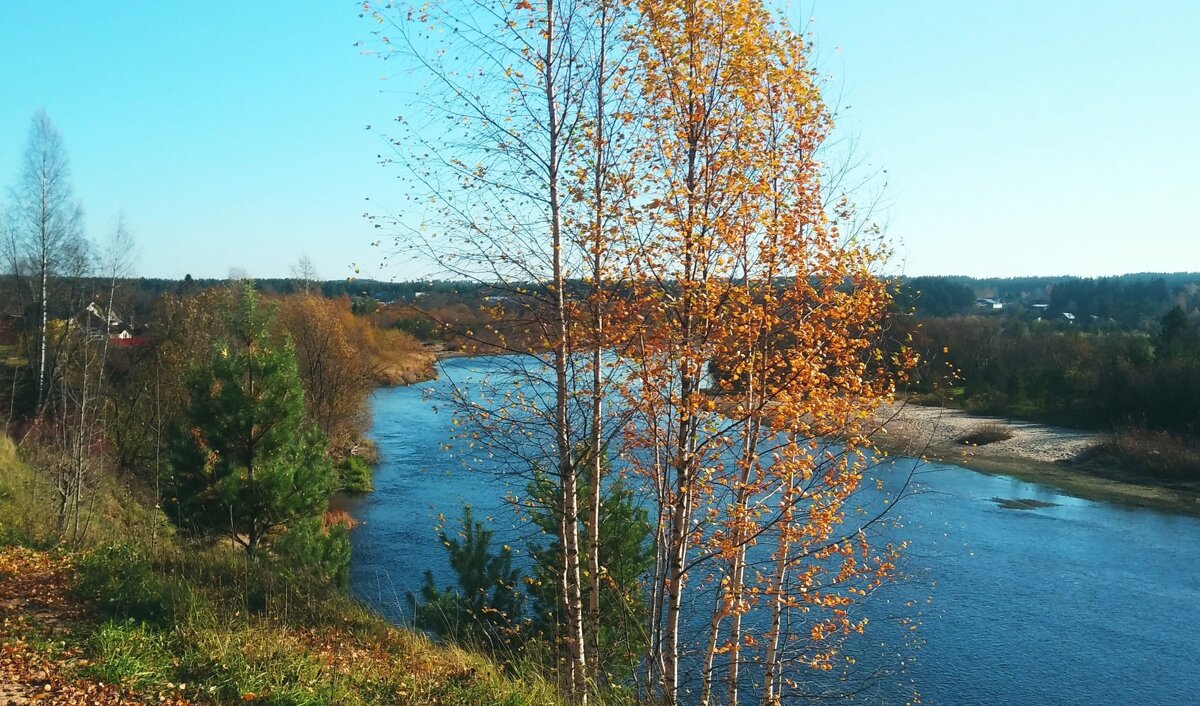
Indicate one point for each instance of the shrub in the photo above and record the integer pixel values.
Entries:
(482, 611)
(353, 476)
(1155, 453)
(321, 551)
(986, 434)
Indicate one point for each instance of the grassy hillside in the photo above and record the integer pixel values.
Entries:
(25, 498)
(139, 616)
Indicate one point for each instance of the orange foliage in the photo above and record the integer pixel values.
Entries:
(747, 270)
(342, 357)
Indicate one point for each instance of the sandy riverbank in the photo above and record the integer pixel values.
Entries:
(935, 432)
(1039, 453)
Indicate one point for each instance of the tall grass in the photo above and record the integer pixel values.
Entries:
(1157, 454)
(26, 500)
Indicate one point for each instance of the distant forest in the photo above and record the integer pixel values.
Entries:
(1118, 354)
(1129, 302)
(1134, 301)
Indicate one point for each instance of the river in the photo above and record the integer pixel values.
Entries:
(1076, 602)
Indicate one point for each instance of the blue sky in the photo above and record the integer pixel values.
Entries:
(1018, 138)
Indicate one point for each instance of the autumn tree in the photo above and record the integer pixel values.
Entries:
(85, 385)
(335, 369)
(642, 184)
(503, 158)
(742, 265)
(152, 395)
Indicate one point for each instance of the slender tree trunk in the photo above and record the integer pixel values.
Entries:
(744, 493)
(655, 664)
(679, 537)
(685, 443)
(676, 575)
(710, 652)
(771, 666)
(573, 601)
(598, 284)
(44, 306)
(80, 445)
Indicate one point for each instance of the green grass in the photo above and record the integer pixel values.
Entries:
(228, 626)
(24, 499)
(130, 654)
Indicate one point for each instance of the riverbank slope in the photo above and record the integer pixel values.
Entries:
(138, 615)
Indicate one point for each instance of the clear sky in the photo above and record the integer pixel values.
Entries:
(1024, 137)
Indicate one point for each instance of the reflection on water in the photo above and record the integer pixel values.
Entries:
(1080, 602)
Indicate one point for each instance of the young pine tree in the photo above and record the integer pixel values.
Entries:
(245, 462)
(625, 557)
(485, 610)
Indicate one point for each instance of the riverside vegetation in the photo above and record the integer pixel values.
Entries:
(1119, 355)
(144, 588)
(140, 607)
(139, 615)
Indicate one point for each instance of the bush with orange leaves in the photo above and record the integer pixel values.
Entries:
(342, 358)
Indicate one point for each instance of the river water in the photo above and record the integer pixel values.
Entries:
(1079, 602)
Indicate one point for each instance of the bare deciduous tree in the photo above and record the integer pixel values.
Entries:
(304, 274)
(44, 234)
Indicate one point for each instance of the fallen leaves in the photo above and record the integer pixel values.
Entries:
(38, 608)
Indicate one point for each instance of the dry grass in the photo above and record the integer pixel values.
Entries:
(986, 434)
(25, 498)
(1154, 453)
(400, 359)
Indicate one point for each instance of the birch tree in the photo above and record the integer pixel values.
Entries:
(641, 180)
(86, 396)
(740, 266)
(45, 235)
(489, 163)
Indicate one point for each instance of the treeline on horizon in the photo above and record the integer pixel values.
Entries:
(1118, 354)
(933, 294)
(1129, 301)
